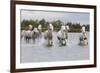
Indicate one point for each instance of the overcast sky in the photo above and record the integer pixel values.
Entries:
(74, 17)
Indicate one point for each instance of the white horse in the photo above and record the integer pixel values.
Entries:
(62, 35)
(27, 36)
(40, 30)
(22, 34)
(66, 31)
(48, 35)
(30, 27)
(35, 34)
(83, 38)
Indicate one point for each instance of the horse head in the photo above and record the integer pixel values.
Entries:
(39, 27)
(50, 27)
(83, 29)
(30, 27)
(67, 27)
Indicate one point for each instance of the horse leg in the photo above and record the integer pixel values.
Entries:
(49, 42)
(63, 41)
(26, 39)
(33, 39)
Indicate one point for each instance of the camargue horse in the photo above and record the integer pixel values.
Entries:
(83, 38)
(32, 34)
(48, 35)
(40, 30)
(35, 34)
(62, 35)
(23, 34)
(66, 31)
(26, 34)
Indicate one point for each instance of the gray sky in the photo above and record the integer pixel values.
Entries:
(83, 18)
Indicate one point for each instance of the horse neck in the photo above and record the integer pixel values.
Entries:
(63, 34)
(49, 32)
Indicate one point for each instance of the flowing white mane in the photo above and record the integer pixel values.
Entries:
(51, 26)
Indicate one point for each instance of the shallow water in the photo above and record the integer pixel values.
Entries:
(39, 52)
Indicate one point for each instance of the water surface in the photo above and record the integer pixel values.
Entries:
(38, 52)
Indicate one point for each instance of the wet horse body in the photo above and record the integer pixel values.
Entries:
(62, 39)
(28, 36)
(63, 35)
(31, 34)
(83, 38)
(48, 35)
(35, 34)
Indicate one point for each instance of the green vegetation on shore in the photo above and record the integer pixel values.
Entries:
(74, 27)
